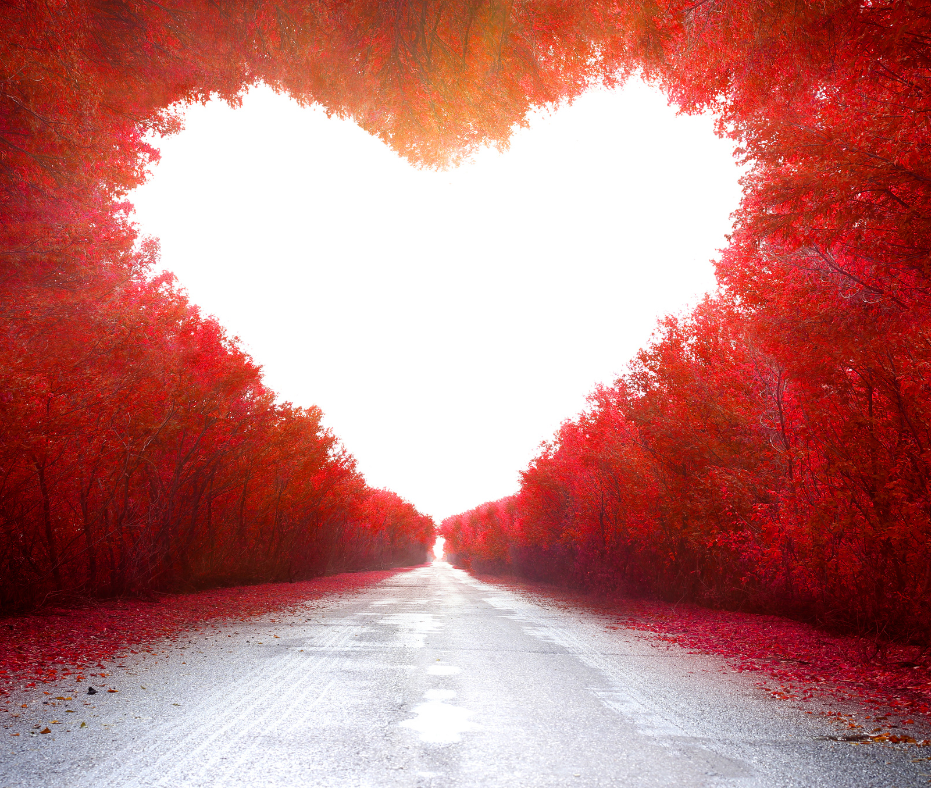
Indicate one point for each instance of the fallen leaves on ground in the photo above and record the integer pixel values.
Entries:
(804, 662)
(59, 643)
(855, 681)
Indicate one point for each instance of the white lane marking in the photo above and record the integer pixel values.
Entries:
(443, 670)
(440, 723)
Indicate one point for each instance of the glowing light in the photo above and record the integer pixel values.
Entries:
(339, 265)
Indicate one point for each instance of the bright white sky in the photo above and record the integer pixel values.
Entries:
(446, 323)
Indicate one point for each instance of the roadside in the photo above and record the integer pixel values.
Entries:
(58, 645)
(870, 691)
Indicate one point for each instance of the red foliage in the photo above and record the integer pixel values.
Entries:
(736, 470)
(59, 644)
(485, 533)
(803, 662)
(771, 449)
(139, 449)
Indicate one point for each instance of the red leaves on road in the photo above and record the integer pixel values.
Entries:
(802, 662)
(855, 681)
(61, 644)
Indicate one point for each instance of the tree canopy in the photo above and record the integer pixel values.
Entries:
(771, 446)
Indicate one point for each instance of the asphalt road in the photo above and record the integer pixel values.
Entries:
(433, 678)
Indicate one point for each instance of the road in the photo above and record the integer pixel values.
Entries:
(434, 678)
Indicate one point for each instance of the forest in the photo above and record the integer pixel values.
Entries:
(767, 450)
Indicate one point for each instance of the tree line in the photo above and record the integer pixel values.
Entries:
(140, 450)
(771, 447)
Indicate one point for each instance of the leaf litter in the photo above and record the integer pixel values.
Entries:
(876, 690)
(58, 644)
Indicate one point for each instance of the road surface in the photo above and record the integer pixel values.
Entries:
(434, 678)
